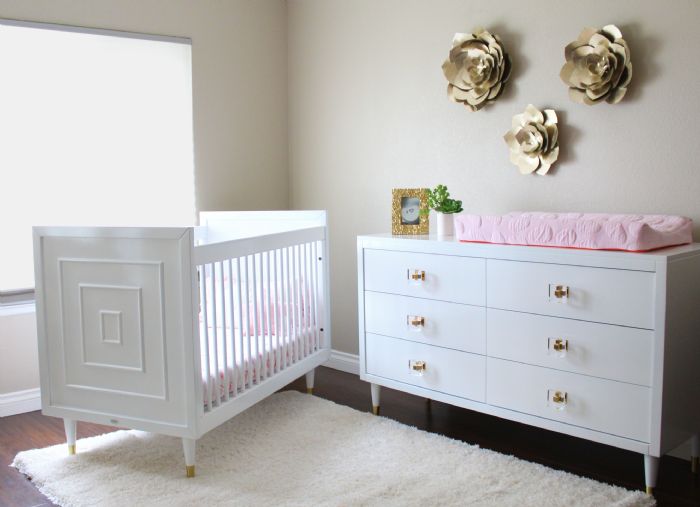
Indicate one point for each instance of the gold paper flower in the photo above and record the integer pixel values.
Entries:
(533, 140)
(598, 66)
(477, 68)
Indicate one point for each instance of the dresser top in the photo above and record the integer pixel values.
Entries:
(449, 245)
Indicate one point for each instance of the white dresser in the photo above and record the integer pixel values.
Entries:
(600, 345)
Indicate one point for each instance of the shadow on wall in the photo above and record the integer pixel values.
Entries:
(512, 41)
(644, 49)
(569, 136)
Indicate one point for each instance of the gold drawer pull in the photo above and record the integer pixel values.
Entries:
(560, 345)
(417, 275)
(559, 399)
(561, 291)
(417, 366)
(416, 321)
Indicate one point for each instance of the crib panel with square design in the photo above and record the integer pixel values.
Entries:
(176, 330)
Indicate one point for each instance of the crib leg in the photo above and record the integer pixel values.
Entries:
(310, 381)
(189, 445)
(375, 388)
(71, 427)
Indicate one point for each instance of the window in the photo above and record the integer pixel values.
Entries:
(95, 129)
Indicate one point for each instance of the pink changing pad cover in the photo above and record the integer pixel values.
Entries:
(593, 231)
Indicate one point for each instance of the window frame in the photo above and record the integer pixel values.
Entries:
(23, 300)
(95, 31)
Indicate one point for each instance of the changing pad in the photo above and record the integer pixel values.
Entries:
(596, 231)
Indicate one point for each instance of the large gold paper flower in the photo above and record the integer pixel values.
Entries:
(533, 140)
(477, 68)
(598, 66)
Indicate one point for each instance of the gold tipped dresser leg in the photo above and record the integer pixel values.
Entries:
(650, 490)
(375, 409)
(694, 464)
(71, 449)
(309, 390)
(190, 470)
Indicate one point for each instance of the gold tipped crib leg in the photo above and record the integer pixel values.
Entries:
(71, 428)
(694, 464)
(375, 409)
(650, 490)
(190, 470)
(310, 382)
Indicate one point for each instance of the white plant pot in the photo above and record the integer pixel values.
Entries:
(445, 224)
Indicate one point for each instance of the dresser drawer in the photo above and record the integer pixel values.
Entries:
(602, 405)
(602, 350)
(451, 325)
(447, 371)
(443, 277)
(612, 296)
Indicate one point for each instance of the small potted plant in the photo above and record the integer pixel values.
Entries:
(440, 201)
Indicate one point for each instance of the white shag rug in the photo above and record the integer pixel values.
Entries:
(297, 450)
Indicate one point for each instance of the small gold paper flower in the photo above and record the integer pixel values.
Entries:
(598, 66)
(477, 68)
(533, 140)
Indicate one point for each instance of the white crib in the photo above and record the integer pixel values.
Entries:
(176, 330)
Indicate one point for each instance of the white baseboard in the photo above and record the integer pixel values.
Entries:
(20, 402)
(349, 363)
(682, 451)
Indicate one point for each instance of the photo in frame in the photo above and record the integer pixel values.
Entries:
(409, 211)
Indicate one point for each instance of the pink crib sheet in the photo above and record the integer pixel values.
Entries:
(594, 231)
(272, 351)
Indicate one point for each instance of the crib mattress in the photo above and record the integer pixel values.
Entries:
(595, 231)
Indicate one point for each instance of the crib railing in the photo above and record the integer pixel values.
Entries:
(261, 309)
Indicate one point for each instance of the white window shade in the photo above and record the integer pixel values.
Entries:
(95, 129)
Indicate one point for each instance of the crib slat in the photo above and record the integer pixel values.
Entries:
(249, 359)
(232, 321)
(264, 373)
(300, 309)
(307, 298)
(276, 309)
(239, 339)
(305, 288)
(215, 343)
(283, 308)
(288, 308)
(256, 335)
(297, 283)
(269, 364)
(293, 301)
(309, 308)
(224, 333)
(314, 261)
(205, 329)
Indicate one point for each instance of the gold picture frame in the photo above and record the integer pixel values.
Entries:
(407, 215)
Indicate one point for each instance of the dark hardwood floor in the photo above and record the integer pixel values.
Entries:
(677, 486)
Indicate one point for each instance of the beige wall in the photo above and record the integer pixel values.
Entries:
(19, 362)
(368, 112)
(239, 62)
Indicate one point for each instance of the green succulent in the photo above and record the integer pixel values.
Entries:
(439, 200)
